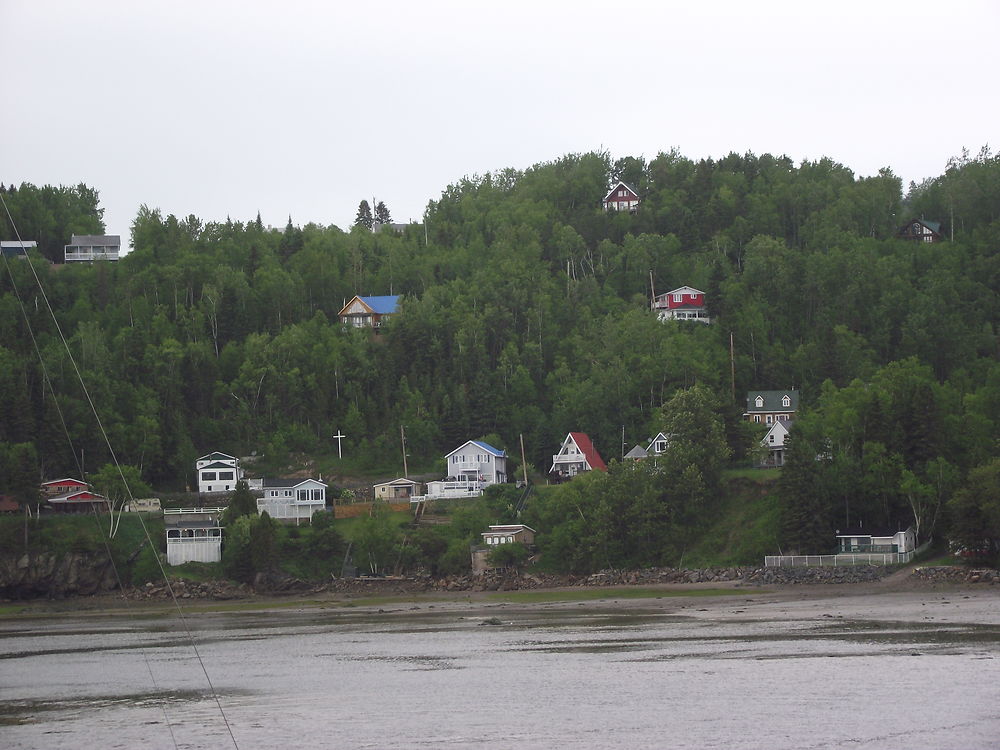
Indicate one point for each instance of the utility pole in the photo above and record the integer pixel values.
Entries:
(732, 367)
(402, 440)
(524, 464)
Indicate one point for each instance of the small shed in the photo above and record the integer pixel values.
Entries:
(508, 534)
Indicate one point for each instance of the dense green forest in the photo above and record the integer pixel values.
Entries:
(525, 311)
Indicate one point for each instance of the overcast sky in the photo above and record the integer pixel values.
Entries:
(222, 107)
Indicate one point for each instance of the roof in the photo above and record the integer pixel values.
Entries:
(80, 496)
(688, 290)
(637, 452)
(934, 226)
(873, 531)
(65, 480)
(772, 400)
(401, 480)
(589, 451)
(288, 483)
(96, 239)
(12, 248)
(499, 528)
(385, 305)
(485, 446)
(623, 184)
(216, 456)
(217, 465)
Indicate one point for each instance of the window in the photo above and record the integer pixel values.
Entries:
(208, 476)
(786, 401)
(318, 495)
(303, 496)
(770, 419)
(770, 438)
(661, 445)
(756, 418)
(678, 297)
(223, 475)
(759, 402)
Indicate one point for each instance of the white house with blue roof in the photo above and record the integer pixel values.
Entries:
(472, 467)
(369, 312)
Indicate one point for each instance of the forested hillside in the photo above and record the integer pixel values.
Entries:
(526, 311)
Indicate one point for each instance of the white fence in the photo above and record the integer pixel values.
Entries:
(843, 559)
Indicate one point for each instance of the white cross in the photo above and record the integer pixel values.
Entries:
(338, 438)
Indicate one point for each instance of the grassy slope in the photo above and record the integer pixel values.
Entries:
(746, 526)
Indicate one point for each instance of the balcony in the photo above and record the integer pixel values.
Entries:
(450, 489)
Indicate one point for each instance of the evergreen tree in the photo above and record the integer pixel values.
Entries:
(364, 217)
(801, 494)
(241, 503)
(382, 215)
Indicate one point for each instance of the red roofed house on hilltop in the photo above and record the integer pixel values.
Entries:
(683, 303)
(576, 455)
(622, 197)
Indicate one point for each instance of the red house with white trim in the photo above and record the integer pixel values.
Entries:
(576, 455)
(682, 303)
(622, 197)
(72, 496)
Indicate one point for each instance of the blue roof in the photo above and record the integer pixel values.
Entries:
(488, 447)
(385, 305)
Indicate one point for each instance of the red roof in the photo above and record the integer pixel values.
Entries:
(589, 451)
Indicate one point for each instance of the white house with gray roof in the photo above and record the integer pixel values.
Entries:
(89, 247)
(292, 499)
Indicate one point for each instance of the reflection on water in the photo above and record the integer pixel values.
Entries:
(552, 676)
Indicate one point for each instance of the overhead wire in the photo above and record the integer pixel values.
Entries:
(114, 458)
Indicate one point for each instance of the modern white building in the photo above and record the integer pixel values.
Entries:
(218, 472)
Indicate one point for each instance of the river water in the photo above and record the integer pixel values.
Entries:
(911, 671)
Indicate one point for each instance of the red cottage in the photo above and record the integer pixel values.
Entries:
(683, 303)
(622, 197)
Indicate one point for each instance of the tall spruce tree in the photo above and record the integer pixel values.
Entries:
(382, 215)
(364, 217)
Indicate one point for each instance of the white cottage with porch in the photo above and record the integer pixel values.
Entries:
(292, 499)
(193, 535)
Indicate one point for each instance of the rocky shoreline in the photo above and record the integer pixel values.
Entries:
(71, 576)
(511, 581)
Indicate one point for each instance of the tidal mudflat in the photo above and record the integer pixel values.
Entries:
(824, 667)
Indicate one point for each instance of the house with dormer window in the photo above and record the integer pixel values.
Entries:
(767, 407)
